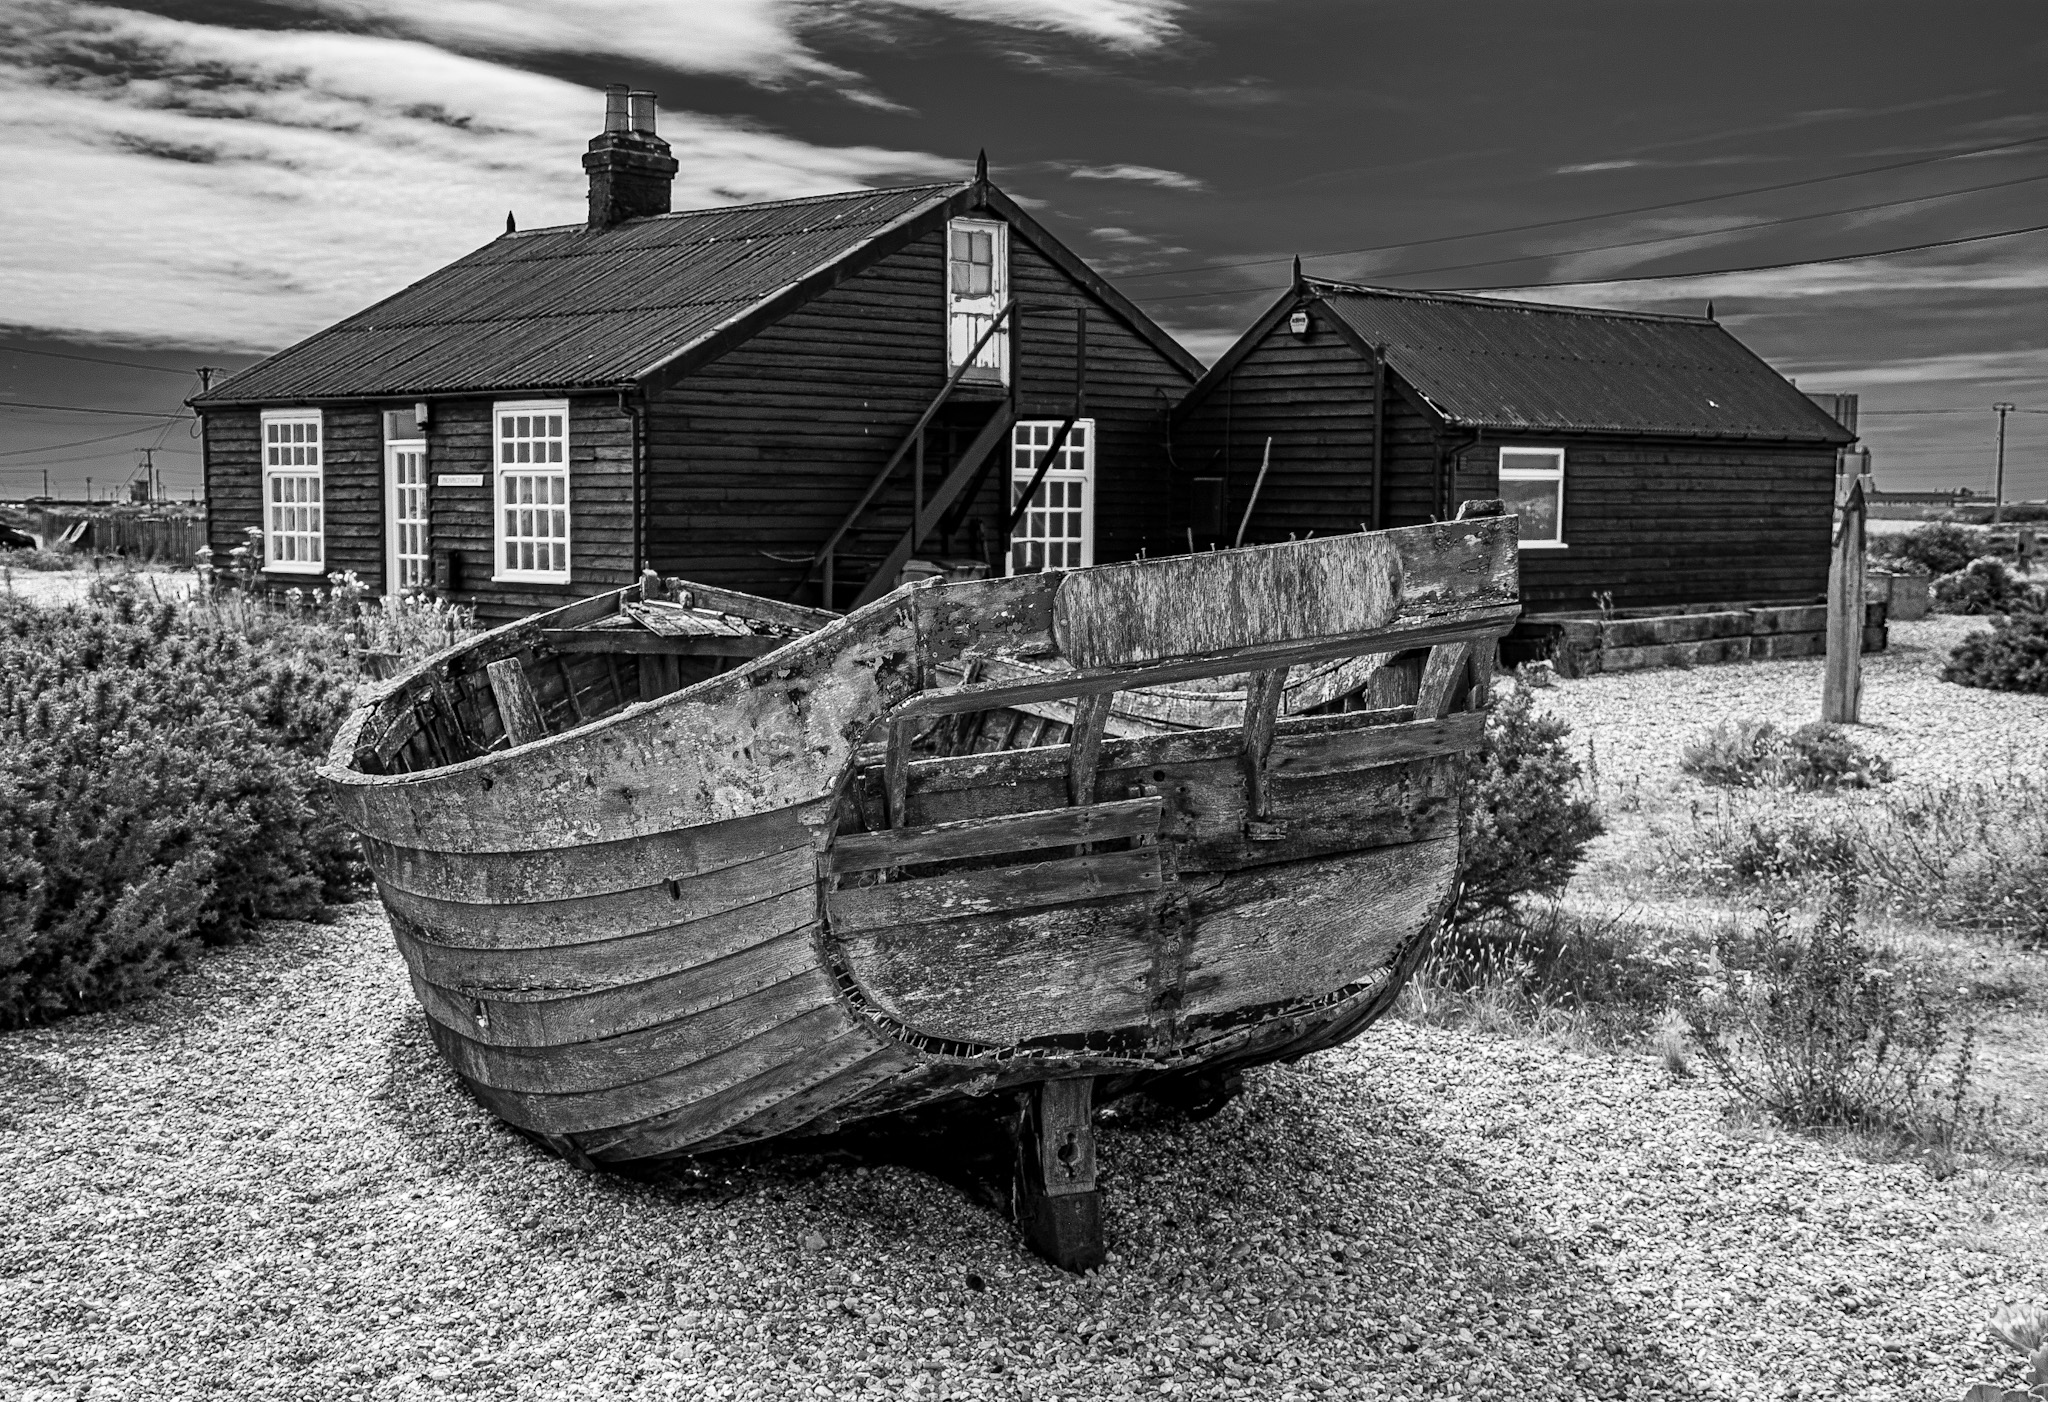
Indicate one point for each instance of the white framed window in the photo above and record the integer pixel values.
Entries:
(1532, 487)
(1057, 531)
(530, 516)
(294, 536)
(977, 285)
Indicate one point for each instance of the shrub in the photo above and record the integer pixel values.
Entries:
(1816, 1030)
(155, 793)
(1969, 854)
(40, 561)
(1984, 586)
(2010, 655)
(1744, 752)
(1524, 822)
(1940, 547)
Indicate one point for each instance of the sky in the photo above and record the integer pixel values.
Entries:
(199, 184)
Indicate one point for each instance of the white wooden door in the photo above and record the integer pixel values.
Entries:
(405, 508)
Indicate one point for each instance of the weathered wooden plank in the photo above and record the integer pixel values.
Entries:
(570, 640)
(690, 594)
(1001, 978)
(1198, 605)
(518, 710)
(1084, 746)
(562, 1019)
(825, 1074)
(603, 963)
(492, 880)
(896, 772)
(982, 837)
(770, 1053)
(939, 898)
(1261, 707)
(1281, 933)
(1441, 676)
(1487, 622)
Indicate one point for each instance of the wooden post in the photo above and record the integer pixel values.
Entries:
(1058, 1204)
(1084, 746)
(1261, 709)
(1441, 676)
(1841, 699)
(518, 707)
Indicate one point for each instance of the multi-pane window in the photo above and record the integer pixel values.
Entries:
(1532, 486)
(531, 496)
(1057, 530)
(293, 541)
(406, 464)
(977, 284)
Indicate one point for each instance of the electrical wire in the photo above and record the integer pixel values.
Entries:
(95, 360)
(77, 442)
(1640, 277)
(81, 409)
(1769, 267)
(1608, 214)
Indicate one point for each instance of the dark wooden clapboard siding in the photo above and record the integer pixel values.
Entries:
(1679, 522)
(756, 457)
(352, 491)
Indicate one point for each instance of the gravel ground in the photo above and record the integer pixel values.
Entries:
(71, 586)
(264, 1185)
(1929, 729)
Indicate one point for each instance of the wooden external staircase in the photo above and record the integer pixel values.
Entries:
(903, 507)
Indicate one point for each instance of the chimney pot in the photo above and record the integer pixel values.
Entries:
(630, 168)
(642, 104)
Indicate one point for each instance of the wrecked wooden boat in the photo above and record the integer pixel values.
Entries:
(676, 869)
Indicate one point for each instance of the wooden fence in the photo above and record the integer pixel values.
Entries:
(167, 538)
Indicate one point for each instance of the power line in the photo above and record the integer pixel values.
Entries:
(1889, 413)
(1768, 267)
(80, 409)
(1640, 277)
(93, 360)
(1709, 233)
(77, 442)
(1608, 214)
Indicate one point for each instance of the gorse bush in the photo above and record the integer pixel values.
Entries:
(1525, 821)
(1816, 1030)
(2010, 655)
(1938, 548)
(155, 791)
(1985, 586)
(39, 561)
(1743, 752)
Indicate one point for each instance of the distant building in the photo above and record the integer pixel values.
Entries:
(1652, 459)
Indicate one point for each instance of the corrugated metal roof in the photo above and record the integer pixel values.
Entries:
(567, 307)
(1521, 365)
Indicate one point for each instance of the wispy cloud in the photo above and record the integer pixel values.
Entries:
(759, 41)
(242, 188)
(1144, 175)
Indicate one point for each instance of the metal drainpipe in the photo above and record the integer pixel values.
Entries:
(636, 412)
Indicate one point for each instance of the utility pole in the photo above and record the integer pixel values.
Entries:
(149, 474)
(46, 484)
(1998, 501)
(88, 491)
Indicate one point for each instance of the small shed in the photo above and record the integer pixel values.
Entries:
(1653, 460)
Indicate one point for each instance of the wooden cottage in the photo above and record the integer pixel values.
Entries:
(1652, 460)
(804, 399)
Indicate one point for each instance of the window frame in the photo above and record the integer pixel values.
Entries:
(1021, 473)
(316, 472)
(959, 304)
(501, 469)
(1556, 474)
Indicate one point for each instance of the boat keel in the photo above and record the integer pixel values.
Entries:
(1057, 1202)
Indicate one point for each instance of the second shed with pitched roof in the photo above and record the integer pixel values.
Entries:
(1653, 460)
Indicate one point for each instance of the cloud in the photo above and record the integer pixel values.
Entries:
(243, 188)
(1144, 175)
(758, 41)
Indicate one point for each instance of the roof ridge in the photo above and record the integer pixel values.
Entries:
(1472, 299)
(756, 204)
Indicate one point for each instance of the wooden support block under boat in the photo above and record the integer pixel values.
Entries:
(1058, 1203)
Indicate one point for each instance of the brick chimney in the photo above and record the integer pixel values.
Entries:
(630, 167)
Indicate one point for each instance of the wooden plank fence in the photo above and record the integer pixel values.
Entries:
(166, 538)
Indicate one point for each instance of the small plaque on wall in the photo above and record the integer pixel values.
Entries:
(459, 479)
